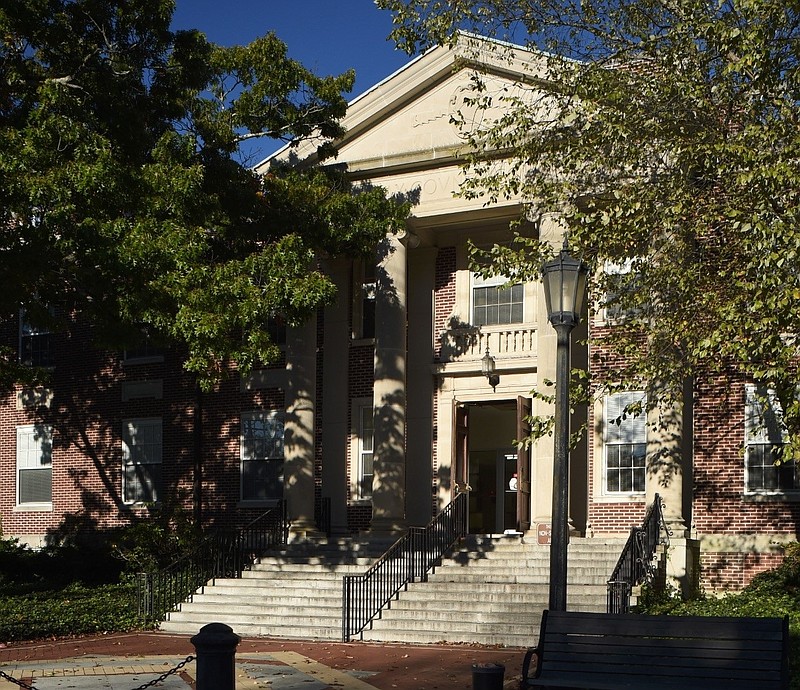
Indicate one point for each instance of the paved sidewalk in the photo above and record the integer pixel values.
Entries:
(129, 661)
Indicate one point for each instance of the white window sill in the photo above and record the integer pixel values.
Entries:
(267, 503)
(155, 359)
(33, 508)
(621, 497)
(772, 497)
(360, 501)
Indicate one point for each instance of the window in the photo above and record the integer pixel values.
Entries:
(34, 465)
(141, 459)
(144, 350)
(494, 303)
(35, 345)
(765, 433)
(262, 456)
(621, 282)
(366, 438)
(276, 327)
(625, 443)
(364, 293)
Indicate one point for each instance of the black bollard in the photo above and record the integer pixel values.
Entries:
(487, 676)
(216, 657)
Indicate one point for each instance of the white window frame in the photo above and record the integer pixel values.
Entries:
(365, 288)
(365, 447)
(146, 354)
(616, 268)
(632, 430)
(27, 330)
(764, 428)
(356, 449)
(479, 282)
(140, 453)
(274, 453)
(34, 452)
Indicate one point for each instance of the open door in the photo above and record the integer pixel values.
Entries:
(523, 466)
(461, 437)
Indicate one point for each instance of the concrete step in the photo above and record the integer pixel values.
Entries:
(488, 591)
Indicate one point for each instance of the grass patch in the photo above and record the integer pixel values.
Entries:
(74, 610)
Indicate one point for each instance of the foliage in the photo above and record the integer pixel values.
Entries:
(24, 570)
(124, 202)
(151, 544)
(75, 610)
(665, 137)
(774, 593)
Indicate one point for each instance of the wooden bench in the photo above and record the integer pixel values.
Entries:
(618, 651)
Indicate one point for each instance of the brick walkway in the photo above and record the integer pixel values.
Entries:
(125, 662)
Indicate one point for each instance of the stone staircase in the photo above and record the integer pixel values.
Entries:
(491, 591)
(295, 594)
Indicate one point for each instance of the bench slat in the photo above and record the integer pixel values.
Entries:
(580, 645)
(694, 627)
(634, 681)
(758, 664)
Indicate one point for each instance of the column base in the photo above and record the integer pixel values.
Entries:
(387, 528)
(303, 531)
(683, 565)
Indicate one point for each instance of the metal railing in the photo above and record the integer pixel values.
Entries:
(636, 564)
(410, 558)
(223, 554)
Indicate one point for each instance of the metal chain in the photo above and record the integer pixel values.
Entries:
(166, 675)
(16, 682)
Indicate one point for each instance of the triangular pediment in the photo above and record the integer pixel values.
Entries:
(409, 117)
(402, 133)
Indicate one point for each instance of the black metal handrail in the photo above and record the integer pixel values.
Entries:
(410, 558)
(635, 565)
(222, 554)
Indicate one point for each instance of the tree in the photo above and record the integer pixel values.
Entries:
(665, 134)
(121, 197)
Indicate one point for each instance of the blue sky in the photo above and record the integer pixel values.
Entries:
(327, 36)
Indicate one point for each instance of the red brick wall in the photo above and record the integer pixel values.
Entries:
(731, 571)
(444, 302)
(720, 505)
(86, 414)
(607, 517)
(444, 294)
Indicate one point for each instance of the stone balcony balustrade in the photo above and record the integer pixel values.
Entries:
(461, 347)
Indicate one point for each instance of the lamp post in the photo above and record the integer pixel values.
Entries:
(564, 279)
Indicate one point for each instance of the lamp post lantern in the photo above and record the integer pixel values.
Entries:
(564, 279)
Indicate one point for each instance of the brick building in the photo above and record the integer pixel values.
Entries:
(380, 406)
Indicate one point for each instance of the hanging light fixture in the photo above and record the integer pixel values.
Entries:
(489, 369)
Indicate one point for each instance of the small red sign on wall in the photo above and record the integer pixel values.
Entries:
(543, 532)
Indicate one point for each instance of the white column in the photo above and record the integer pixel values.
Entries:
(389, 391)
(667, 465)
(301, 374)
(542, 453)
(665, 472)
(419, 475)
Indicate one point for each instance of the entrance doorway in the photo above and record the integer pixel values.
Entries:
(497, 473)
